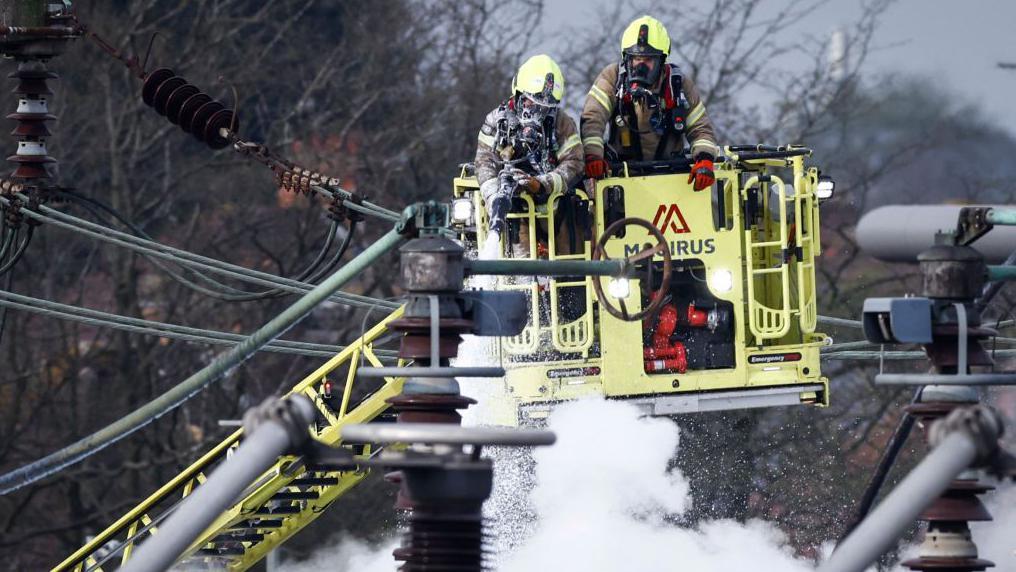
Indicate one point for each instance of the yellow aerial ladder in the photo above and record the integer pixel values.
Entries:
(740, 296)
(285, 499)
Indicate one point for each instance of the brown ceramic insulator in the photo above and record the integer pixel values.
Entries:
(189, 107)
(36, 129)
(33, 84)
(31, 116)
(422, 325)
(29, 171)
(174, 105)
(201, 117)
(163, 92)
(952, 507)
(414, 346)
(152, 83)
(30, 166)
(185, 105)
(948, 564)
(430, 408)
(439, 539)
(223, 119)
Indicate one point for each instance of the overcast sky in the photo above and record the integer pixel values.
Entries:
(958, 42)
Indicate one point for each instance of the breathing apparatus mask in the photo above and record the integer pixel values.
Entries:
(643, 73)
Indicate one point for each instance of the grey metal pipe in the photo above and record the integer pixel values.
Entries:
(431, 372)
(1001, 273)
(970, 379)
(1002, 217)
(271, 438)
(548, 267)
(843, 322)
(898, 233)
(186, 389)
(897, 512)
(875, 355)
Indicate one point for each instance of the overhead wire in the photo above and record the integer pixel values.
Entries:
(185, 258)
(19, 252)
(161, 329)
(8, 286)
(183, 391)
(311, 273)
(93, 206)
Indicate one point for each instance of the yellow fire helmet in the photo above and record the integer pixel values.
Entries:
(540, 80)
(645, 36)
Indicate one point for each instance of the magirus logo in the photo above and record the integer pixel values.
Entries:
(672, 220)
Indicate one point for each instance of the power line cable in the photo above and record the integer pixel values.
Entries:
(183, 391)
(161, 329)
(311, 274)
(185, 258)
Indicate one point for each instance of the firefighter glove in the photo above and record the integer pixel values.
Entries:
(702, 173)
(527, 183)
(596, 167)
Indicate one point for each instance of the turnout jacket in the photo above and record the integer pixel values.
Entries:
(564, 162)
(601, 108)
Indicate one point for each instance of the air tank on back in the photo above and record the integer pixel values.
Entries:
(898, 233)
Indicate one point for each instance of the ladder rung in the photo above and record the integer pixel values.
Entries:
(320, 469)
(310, 481)
(259, 525)
(224, 551)
(295, 495)
(251, 537)
(286, 509)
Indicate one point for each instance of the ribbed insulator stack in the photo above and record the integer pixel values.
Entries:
(300, 180)
(948, 545)
(187, 106)
(32, 114)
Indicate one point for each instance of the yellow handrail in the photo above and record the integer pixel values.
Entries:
(139, 523)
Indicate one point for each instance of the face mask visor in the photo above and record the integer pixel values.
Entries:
(642, 72)
(535, 108)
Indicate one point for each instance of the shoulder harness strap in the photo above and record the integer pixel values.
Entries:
(623, 121)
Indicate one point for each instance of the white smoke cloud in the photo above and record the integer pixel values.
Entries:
(604, 494)
(605, 498)
(996, 540)
(347, 554)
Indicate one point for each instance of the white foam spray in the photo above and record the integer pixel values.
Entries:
(347, 554)
(508, 512)
(996, 540)
(605, 499)
(491, 249)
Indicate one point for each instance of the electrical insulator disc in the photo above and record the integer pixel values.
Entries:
(189, 108)
(185, 105)
(31, 129)
(164, 91)
(202, 116)
(176, 100)
(152, 83)
(221, 119)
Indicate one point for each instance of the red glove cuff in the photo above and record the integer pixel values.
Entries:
(596, 167)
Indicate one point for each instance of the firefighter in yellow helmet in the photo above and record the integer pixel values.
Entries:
(528, 144)
(649, 107)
